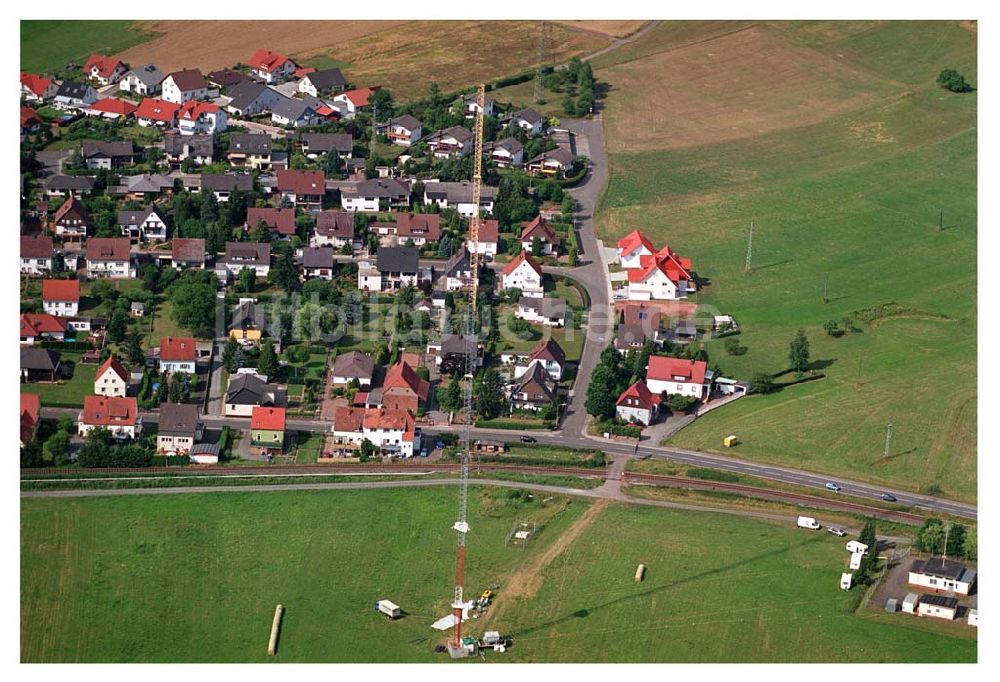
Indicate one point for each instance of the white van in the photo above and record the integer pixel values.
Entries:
(808, 522)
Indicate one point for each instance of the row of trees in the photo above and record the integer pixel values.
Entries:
(955, 540)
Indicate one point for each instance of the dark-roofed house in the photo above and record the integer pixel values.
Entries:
(305, 189)
(247, 391)
(458, 195)
(246, 149)
(68, 185)
(353, 365)
(540, 229)
(504, 153)
(145, 187)
(457, 273)
(72, 95)
(36, 255)
(147, 225)
(398, 266)
(314, 144)
(533, 390)
(557, 162)
(188, 252)
(455, 141)
(548, 353)
(39, 364)
(71, 220)
(550, 312)
(942, 575)
(108, 155)
(178, 429)
(144, 80)
(181, 86)
(470, 105)
(937, 606)
(323, 82)
(278, 220)
(248, 323)
(293, 112)
(404, 130)
(239, 255)
(226, 78)
(251, 98)
(528, 120)
(224, 184)
(109, 257)
(451, 352)
(375, 194)
(317, 262)
(333, 228)
(199, 148)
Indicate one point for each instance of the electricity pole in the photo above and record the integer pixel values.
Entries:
(941, 220)
(826, 287)
(749, 247)
(888, 440)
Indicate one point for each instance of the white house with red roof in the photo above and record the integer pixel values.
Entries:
(43, 327)
(178, 354)
(489, 235)
(36, 88)
(353, 101)
(525, 274)
(154, 111)
(111, 378)
(632, 247)
(661, 276)
(271, 67)
(678, 376)
(540, 229)
(304, 189)
(391, 431)
(61, 297)
(104, 70)
(638, 404)
(119, 415)
(201, 117)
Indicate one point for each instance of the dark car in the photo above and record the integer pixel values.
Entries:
(528, 439)
(887, 497)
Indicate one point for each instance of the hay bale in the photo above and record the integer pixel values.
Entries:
(640, 572)
(272, 645)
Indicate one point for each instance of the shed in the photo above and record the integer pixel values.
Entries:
(891, 605)
(910, 603)
(138, 309)
(729, 441)
(974, 617)
(204, 453)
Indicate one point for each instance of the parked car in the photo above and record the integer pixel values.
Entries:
(887, 497)
(528, 439)
(839, 532)
(833, 486)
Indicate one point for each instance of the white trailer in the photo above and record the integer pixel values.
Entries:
(808, 522)
(856, 560)
(845, 581)
(854, 547)
(387, 608)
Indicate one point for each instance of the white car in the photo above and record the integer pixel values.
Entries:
(833, 486)
(839, 532)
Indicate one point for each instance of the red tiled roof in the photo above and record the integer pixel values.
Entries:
(348, 419)
(61, 290)
(177, 349)
(108, 248)
(116, 367)
(29, 117)
(489, 231)
(668, 265)
(633, 240)
(110, 105)
(37, 84)
(522, 257)
(74, 205)
(193, 109)
(268, 418)
(33, 324)
(156, 109)
(36, 247)
(395, 420)
(301, 182)
(304, 71)
(188, 249)
(538, 227)
(267, 60)
(280, 219)
(105, 65)
(639, 391)
(30, 404)
(359, 97)
(662, 368)
(99, 410)
(401, 375)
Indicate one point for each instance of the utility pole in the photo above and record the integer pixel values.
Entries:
(371, 150)
(826, 287)
(941, 220)
(749, 247)
(944, 550)
(539, 86)
(860, 362)
(888, 440)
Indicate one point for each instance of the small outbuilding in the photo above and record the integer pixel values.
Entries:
(846, 580)
(910, 603)
(938, 606)
(891, 605)
(974, 617)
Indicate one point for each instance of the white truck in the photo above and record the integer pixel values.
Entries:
(387, 608)
(808, 522)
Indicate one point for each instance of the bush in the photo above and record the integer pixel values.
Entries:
(175, 460)
(713, 475)
(627, 430)
(761, 383)
(953, 81)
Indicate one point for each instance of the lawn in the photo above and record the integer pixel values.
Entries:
(308, 448)
(67, 393)
(844, 173)
(47, 46)
(164, 325)
(113, 580)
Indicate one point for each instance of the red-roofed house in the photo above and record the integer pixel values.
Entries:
(489, 235)
(178, 354)
(525, 274)
(118, 415)
(678, 376)
(111, 378)
(305, 189)
(30, 122)
(41, 327)
(110, 257)
(35, 88)
(391, 431)
(71, 220)
(36, 254)
(638, 404)
(188, 253)
(404, 389)
(632, 247)
(267, 429)
(61, 297)
(355, 100)
(663, 275)
(271, 67)
(30, 405)
(104, 70)
(154, 111)
(539, 229)
(112, 108)
(201, 117)
(280, 220)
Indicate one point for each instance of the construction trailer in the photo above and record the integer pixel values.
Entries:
(388, 609)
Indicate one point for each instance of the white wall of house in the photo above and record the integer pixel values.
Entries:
(551, 367)
(35, 266)
(487, 248)
(358, 203)
(116, 431)
(630, 260)
(177, 366)
(547, 248)
(239, 410)
(935, 611)
(526, 279)
(110, 384)
(656, 286)
(531, 315)
(172, 93)
(690, 389)
(633, 413)
(61, 308)
(364, 382)
(113, 269)
(933, 583)
(179, 444)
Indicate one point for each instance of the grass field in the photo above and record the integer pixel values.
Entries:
(833, 138)
(47, 46)
(68, 392)
(129, 579)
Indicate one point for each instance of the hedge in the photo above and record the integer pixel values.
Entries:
(512, 80)
(67, 345)
(713, 475)
(573, 180)
(175, 460)
(512, 425)
(620, 429)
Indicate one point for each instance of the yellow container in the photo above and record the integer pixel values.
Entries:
(729, 441)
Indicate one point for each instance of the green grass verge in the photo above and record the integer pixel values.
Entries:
(47, 46)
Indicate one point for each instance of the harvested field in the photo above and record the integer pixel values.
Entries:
(614, 28)
(210, 45)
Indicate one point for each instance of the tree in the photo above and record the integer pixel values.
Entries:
(260, 232)
(869, 562)
(536, 247)
(952, 80)
(268, 362)
(104, 290)
(382, 104)
(678, 402)
(732, 345)
(832, 328)
(55, 448)
(117, 326)
(193, 305)
(284, 273)
(761, 382)
(955, 540)
(231, 355)
(602, 393)
(451, 397)
(368, 450)
(380, 356)
(490, 401)
(930, 537)
(970, 545)
(247, 281)
(133, 350)
(798, 353)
